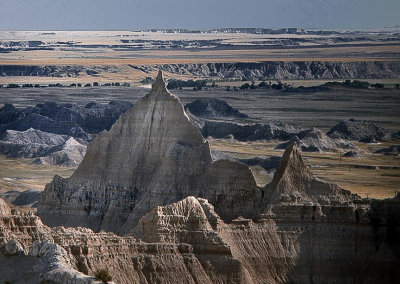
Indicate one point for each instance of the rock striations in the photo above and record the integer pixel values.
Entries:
(151, 156)
(294, 183)
(314, 140)
(183, 218)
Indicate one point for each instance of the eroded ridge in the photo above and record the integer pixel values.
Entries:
(194, 220)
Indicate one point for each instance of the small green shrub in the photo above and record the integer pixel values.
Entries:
(102, 275)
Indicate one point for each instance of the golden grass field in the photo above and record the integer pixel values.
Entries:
(107, 49)
(379, 178)
(20, 174)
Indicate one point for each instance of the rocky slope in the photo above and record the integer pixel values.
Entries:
(70, 155)
(359, 130)
(47, 148)
(391, 150)
(200, 221)
(30, 143)
(275, 70)
(64, 119)
(321, 233)
(26, 198)
(248, 132)
(191, 253)
(213, 108)
(122, 178)
(314, 140)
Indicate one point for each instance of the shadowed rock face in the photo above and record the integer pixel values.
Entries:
(249, 132)
(148, 176)
(64, 119)
(213, 108)
(391, 150)
(359, 130)
(314, 140)
(287, 70)
(47, 148)
(152, 156)
(294, 183)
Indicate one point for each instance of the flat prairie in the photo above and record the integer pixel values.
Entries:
(119, 49)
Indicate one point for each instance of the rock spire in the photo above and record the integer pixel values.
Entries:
(153, 155)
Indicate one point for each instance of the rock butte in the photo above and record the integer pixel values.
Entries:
(153, 155)
(191, 220)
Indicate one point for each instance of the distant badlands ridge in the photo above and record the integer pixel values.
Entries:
(182, 218)
(269, 70)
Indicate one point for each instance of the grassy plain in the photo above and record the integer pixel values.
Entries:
(371, 175)
(119, 49)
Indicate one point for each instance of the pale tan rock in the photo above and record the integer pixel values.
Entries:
(294, 242)
(153, 155)
(64, 255)
(148, 175)
(293, 183)
(5, 209)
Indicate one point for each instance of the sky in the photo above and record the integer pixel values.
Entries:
(199, 14)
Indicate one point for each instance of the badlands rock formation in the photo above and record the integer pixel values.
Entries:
(213, 108)
(70, 155)
(198, 221)
(285, 70)
(248, 132)
(314, 140)
(391, 150)
(64, 119)
(359, 130)
(25, 198)
(191, 250)
(47, 148)
(29, 143)
(151, 156)
(294, 183)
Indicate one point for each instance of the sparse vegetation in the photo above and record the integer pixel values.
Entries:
(60, 85)
(354, 84)
(179, 84)
(102, 275)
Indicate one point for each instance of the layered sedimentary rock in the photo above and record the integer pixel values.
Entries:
(64, 119)
(198, 221)
(187, 242)
(25, 198)
(213, 108)
(360, 130)
(314, 140)
(70, 155)
(277, 70)
(287, 70)
(249, 132)
(29, 143)
(151, 156)
(191, 251)
(294, 183)
(47, 148)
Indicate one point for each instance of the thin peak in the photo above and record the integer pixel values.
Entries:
(291, 161)
(160, 75)
(159, 84)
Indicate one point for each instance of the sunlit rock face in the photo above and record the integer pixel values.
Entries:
(151, 156)
(186, 219)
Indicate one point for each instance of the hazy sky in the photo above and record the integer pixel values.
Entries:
(195, 14)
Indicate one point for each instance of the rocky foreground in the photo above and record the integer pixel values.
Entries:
(157, 209)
